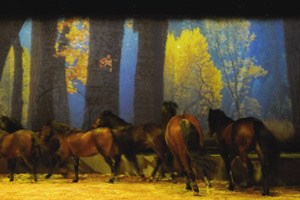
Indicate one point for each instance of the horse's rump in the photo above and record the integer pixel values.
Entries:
(173, 127)
(17, 144)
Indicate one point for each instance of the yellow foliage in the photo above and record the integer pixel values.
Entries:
(76, 52)
(6, 84)
(26, 84)
(191, 78)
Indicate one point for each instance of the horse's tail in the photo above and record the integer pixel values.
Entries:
(197, 154)
(268, 143)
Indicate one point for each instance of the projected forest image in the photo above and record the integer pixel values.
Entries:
(70, 70)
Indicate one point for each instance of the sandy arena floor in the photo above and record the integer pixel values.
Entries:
(94, 186)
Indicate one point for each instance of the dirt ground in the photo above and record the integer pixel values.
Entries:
(94, 186)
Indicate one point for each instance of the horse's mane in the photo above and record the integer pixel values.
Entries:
(61, 128)
(219, 117)
(172, 107)
(117, 120)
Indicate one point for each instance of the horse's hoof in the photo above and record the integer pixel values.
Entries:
(11, 179)
(209, 185)
(47, 176)
(196, 193)
(75, 180)
(111, 180)
(188, 187)
(231, 187)
(266, 193)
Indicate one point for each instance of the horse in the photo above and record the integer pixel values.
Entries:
(20, 144)
(184, 137)
(142, 139)
(10, 125)
(236, 138)
(64, 142)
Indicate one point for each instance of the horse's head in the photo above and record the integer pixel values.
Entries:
(168, 110)
(216, 120)
(10, 124)
(109, 119)
(45, 133)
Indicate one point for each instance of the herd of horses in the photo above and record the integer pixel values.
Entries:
(178, 139)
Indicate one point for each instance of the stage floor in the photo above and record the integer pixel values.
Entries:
(94, 186)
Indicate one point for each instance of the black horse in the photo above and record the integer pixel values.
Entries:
(237, 138)
(9, 124)
(143, 139)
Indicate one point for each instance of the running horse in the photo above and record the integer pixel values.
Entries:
(143, 139)
(236, 138)
(184, 137)
(20, 144)
(64, 142)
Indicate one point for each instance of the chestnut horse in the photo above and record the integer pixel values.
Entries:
(184, 137)
(20, 144)
(238, 138)
(66, 142)
(143, 139)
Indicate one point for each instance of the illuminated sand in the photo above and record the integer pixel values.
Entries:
(94, 186)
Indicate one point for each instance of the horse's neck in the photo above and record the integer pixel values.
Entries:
(118, 122)
(166, 119)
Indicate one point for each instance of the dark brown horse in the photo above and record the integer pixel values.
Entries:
(20, 144)
(184, 137)
(144, 139)
(238, 138)
(65, 142)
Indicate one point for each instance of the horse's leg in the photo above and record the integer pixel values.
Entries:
(227, 161)
(264, 169)
(246, 160)
(76, 164)
(132, 159)
(11, 163)
(158, 164)
(109, 161)
(186, 162)
(52, 167)
(31, 163)
(206, 180)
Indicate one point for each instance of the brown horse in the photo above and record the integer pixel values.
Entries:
(132, 140)
(65, 142)
(184, 137)
(20, 144)
(238, 138)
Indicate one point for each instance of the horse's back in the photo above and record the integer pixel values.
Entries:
(85, 144)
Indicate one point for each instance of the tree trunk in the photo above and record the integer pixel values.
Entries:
(17, 100)
(48, 97)
(149, 73)
(292, 41)
(9, 32)
(102, 91)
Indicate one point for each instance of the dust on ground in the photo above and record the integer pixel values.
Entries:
(95, 186)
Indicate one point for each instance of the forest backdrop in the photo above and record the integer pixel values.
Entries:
(72, 69)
